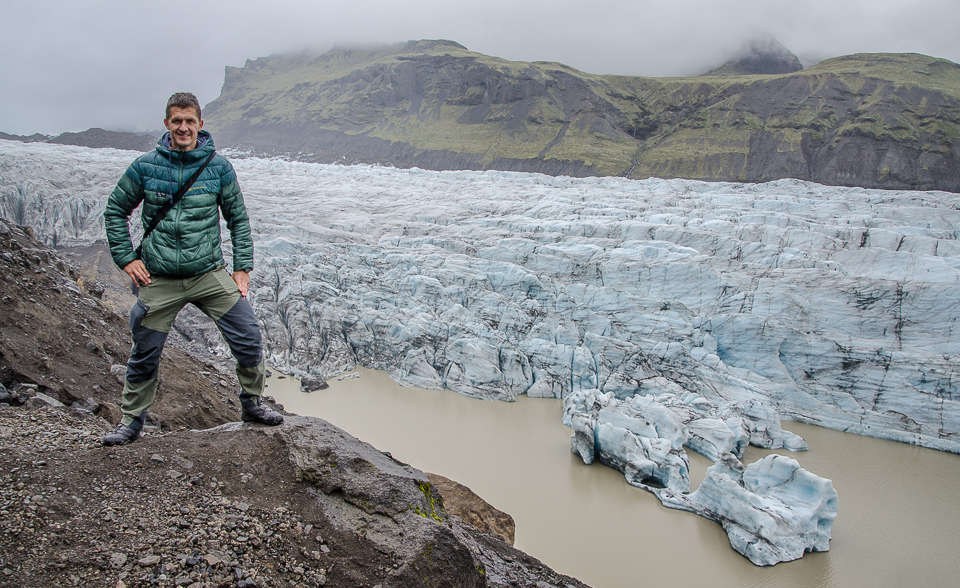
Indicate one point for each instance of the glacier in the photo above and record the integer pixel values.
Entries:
(826, 305)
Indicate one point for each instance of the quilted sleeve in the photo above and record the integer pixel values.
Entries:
(126, 196)
(238, 223)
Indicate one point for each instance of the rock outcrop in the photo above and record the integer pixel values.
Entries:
(302, 504)
(34, 138)
(93, 137)
(99, 138)
(473, 510)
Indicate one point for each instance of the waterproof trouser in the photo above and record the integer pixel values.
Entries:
(216, 295)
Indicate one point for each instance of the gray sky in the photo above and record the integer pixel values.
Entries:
(70, 65)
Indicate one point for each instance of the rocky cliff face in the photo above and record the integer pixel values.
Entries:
(888, 121)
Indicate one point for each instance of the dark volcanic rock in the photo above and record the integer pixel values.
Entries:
(228, 507)
(311, 383)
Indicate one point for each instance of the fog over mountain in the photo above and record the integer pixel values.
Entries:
(112, 64)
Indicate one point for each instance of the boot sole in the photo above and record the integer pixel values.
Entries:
(259, 421)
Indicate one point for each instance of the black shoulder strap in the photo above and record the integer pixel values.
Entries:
(172, 201)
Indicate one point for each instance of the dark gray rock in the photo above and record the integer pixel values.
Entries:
(85, 404)
(40, 399)
(100, 138)
(18, 394)
(398, 509)
(311, 383)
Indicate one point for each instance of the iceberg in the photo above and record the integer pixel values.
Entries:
(772, 510)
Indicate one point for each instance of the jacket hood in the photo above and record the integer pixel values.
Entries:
(204, 147)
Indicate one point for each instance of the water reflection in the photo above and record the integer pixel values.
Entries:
(896, 526)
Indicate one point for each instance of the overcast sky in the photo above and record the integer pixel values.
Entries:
(69, 65)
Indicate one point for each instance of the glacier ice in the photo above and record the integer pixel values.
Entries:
(835, 306)
(772, 510)
(709, 428)
(736, 303)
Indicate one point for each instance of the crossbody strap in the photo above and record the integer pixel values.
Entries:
(172, 201)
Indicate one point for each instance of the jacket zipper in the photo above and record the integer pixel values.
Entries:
(176, 226)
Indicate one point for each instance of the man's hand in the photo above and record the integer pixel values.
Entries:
(243, 282)
(137, 272)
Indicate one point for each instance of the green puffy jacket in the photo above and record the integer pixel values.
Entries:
(186, 243)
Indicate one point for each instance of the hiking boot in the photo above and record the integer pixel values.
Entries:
(254, 411)
(121, 435)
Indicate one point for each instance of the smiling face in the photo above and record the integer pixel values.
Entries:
(183, 124)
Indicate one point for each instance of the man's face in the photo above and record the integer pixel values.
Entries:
(183, 124)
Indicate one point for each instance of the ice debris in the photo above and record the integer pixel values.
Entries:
(772, 509)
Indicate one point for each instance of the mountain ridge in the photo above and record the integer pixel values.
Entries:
(871, 120)
(93, 137)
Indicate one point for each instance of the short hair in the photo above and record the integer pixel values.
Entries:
(182, 100)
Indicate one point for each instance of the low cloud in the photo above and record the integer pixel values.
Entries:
(76, 65)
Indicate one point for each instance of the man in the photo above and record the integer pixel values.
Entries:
(181, 262)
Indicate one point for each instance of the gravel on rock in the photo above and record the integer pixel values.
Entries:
(73, 513)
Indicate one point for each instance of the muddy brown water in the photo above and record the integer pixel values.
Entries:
(897, 524)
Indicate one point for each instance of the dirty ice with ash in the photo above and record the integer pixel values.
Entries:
(670, 314)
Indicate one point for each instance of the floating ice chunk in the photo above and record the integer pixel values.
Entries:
(585, 401)
(772, 510)
(642, 439)
(668, 424)
(637, 426)
(644, 461)
(688, 420)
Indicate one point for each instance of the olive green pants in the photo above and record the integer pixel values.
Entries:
(216, 295)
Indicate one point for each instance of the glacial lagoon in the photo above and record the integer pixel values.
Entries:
(897, 523)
